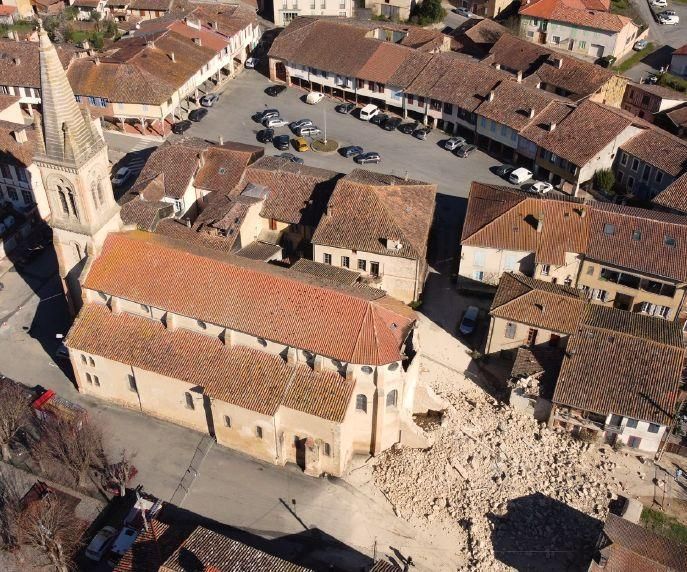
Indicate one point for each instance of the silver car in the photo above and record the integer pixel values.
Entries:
(309, 131)
(275, 122)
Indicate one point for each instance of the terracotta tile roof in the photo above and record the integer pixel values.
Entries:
(481, 31)
(506, 218)
(213, 552)
(344, 323)
(145, 214)
(325, 271)
(259, 250)
(456, 79)
(601, 125)
(660, 91)
(363, 213)
(576, 13)
(611, 232)
(6, 101)
(383, 63)
(297, 194)
(19, 62)
(177, 230)
(512, 104)
(13, 152)
(541, 361)
(230, 18)
(245, 377)
(622, 363)
(537, 304)
(678, 116)
(6, 10)
(674, 196)
(157, 5)
(660, 149)
(629, 546)
(223, 166)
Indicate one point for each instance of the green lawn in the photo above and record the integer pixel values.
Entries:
(634, 59)
(673, 82)
(664, 525)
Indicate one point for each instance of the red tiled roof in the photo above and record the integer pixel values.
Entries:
(660, 149)
(674, 196)
(344, 323)
(577, 13)
(223, 166)
(623, 363)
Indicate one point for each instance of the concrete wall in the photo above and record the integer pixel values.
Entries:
(487, 264)
(402, 278)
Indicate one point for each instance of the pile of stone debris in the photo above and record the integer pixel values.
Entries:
(520, 494)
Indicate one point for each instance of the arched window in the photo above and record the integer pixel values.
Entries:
(392, 398)
(94, 195)
(63, 200)
(361, 402)
(101, 192)
(72, 204)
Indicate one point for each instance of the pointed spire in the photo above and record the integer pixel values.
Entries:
(62, 118)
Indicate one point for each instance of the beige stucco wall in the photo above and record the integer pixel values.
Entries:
(590, 276)
(492, 263)
(559, 274)
(399, 277)
(498, 341)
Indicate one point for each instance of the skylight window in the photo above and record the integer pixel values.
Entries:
(609, 229)
(222, 170)
(669, 241)
(636, 235)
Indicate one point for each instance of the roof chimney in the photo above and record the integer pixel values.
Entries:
(215, 26)
(221, 140)
(150, 43)
(20, 135)
(172, 57)
(96, 61)
(17, 61)
(497, 66)
(491, 95)
(552, 126)
(559, 63)
(540, 222)
(530, 112)
(197, 41)
(518, 76)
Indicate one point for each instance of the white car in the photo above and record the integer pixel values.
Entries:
(668, 20)
(464, 12)
(121, 176)
(658, 3)
(453, 143)
(251, 63)
(275, 122)
(100, 543)
(540, 187)
(314, 97)
(519, 176)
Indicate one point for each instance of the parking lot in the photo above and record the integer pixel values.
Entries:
(402, 155)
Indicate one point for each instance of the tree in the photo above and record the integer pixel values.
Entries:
(10, 502)
(604, 180)
(75, 443)
(427, 12)
(48, 525)
(119, 472)
(14, 414)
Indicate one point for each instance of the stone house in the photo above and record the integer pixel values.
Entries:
(650, 162)
(646, 100)
(378, 225)
(532, 313)
(620, 378)
(586, 28)
(333, 377)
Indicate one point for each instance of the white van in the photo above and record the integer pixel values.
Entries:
(368, 112)
(519, 176)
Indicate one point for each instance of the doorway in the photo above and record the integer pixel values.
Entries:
(300, 451)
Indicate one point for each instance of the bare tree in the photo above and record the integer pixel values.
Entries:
(48, 525)
(14, 414)
(76, 444)
(119, 472)
(10, 502)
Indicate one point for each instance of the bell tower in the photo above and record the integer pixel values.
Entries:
(72, 158)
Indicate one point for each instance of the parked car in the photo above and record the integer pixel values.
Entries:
(180, 126)
(658, 3)
(62, 352)
(391, 124)
(251, 63)
(639, 45)
(98, 546)
(352, 151)
(519, 176)
(464, 12)
(606, 61)
(378, 119)
(370, 157)
(314, 97)
(296, 125)
(540, 187)
(368, 112)
(421, 133)
(260, 116)
(408, 128)
(453, 143)
(121, 176)
(209, 100)
(469, 321)
(265, 135)
(301, 145)
(291, 157)
(275, 122)
(198, 114)
(124, 541)
(275, 90)
(281, 142)
(667, 19)
(345, 108)
(504, 171)
(308, 131)
(651, 79)
(465, 151)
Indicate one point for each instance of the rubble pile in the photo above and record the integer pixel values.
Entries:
(516, 489)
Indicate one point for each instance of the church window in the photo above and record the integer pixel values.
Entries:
(202, 325)
(91, 362)
(189, 401)
(327, 450)
(361, 402)
(101, 192)
(94, 195)
(72, 204)
(392, 398)
(258, 432)
(63, 201)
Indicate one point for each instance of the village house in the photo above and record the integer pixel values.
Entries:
(486, 8)
(476, 36)
(650, 162)
(674, 121)
(678, 61)
(645, 100)
(508, 230)
(313, 393)
(619, 379)
(587, 27)
(674, 197)
(532, 313)
(285, 11)
(378, 225)
(86, 8)
(149, 9)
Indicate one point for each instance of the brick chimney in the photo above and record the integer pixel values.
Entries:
(518, 76)
(172, 57)
(20, 135)
(552, 126)
(491, 95)
(530, 113)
